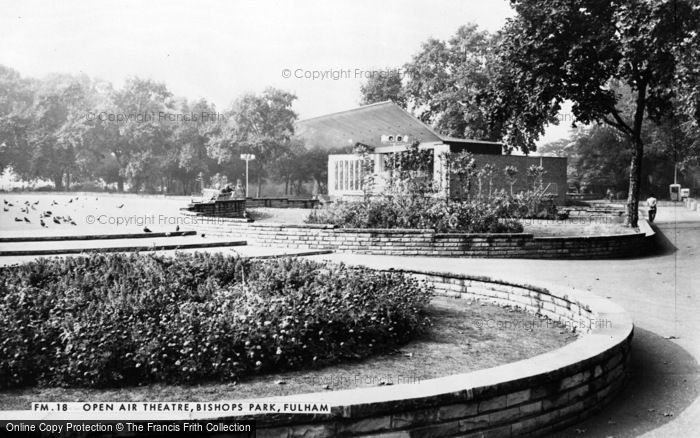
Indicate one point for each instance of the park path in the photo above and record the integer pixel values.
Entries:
(662, 294)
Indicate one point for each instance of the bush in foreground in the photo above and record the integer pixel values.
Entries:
(108, 320)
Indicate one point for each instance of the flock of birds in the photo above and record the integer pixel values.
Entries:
(29, 207)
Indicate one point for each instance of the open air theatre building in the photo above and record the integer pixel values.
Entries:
(388, 128)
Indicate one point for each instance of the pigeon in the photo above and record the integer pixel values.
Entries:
(5, 201)
(72, 222)
(5, 209)
(36, 203)
(41, 221)
(56, 221)
(177, 228)
(70, 200)
(54, 202)
(33, 207)
(9, 204)
(203, 235)
(146, 230)
(120, 206)
(27, 220)
(18, 219)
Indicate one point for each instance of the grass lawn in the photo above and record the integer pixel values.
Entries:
(465, 336)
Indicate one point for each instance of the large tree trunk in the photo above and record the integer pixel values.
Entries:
(257, 191)
(58, 182)
(635, 182)
(120, 184)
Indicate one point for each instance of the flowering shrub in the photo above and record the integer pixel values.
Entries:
(109, 320)
(497, 214)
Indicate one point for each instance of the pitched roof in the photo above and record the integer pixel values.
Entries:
(365, 124)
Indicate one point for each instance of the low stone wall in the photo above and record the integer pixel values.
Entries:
(281, 203)
(426, 242)
(233, 208)
(525, 398)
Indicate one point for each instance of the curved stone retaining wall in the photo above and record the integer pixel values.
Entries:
(424, 242)
(525, 398)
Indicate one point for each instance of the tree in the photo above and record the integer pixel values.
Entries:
(129, 126)
(54, 139)
(448, 83)
(511, 174)
(382, 87)
(258, 124)
(487, 172)
(461, 169)
(580, 50)
(16, 98)
(187, 157)
(536, 175)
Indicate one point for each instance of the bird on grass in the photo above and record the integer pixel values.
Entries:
(72, 222)
(146, 230)
(5, 209)
(177, 228)
(203, 235)
(5, 201)
(9, 204)
(70, 200)
(56, 221)
(41, 221)
(26, 219)
(120, 206)
(18, 219)
(36, 203)
(54, 202)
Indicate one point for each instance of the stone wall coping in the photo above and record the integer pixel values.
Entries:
(589, 238)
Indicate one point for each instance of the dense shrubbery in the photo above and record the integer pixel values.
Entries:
(133, 319)
(497, 214)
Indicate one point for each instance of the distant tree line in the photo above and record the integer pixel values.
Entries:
(82, 133)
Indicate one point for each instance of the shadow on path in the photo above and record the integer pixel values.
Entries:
(664, 380)
(662, 244)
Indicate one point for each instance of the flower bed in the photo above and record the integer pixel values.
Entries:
(500, 213)
(110, 320)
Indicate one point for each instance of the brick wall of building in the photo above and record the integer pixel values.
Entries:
(555, 175)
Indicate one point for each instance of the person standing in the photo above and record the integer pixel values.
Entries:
(609, 195)
(651, 203)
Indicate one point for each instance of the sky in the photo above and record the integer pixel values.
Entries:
(221, 49)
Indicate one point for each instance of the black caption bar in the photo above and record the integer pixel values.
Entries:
(178, 428)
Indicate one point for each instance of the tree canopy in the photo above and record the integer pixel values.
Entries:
(584, 51)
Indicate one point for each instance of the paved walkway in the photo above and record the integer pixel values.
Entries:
(661, 292)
